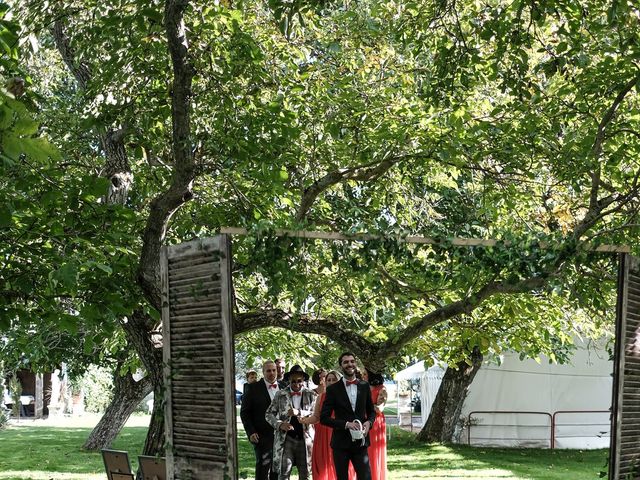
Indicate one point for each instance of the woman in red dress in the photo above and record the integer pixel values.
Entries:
(318, 379)
(378, 432)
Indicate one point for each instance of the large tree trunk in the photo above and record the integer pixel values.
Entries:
(126, 396)
(154, 444)
(447, 406)
(161, 209)
(138, 331)
(128, 393)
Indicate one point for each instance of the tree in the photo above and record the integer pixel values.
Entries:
(513, 121)
(447, 406)
(543, 325)
(56, 304)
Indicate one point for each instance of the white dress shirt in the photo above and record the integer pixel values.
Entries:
(296, 401)
(352, 392)
(272, 391)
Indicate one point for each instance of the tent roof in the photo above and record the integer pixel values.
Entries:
(413, 371)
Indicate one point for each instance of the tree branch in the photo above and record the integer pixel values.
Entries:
(79, 69)
(599, 140)
(165, 205)
(471, 302)
(401, 285)
(335, 329)
(465, 306)
(363, 173)
(117, 170)
(625, 130)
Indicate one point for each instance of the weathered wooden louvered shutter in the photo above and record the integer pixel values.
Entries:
(199, 360)
(625, 431)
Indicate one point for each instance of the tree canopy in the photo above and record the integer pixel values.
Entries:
(516, 121)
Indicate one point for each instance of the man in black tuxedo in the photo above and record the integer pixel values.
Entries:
(281, 367)
(255, 402)
(350, 400)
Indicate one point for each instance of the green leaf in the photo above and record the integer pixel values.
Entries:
(100, 266)
(67, 275)
(35, 148)
(152, 14)
(97, 186)
(88, 345)
(40, 149)
(69, 323)
(12, 146)
(25, 126)
(105, 268)
(6, 216)
(153, 313)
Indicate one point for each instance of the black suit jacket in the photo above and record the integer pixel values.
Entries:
(255, 402)
(337, 401)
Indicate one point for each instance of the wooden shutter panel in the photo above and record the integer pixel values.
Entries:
(199, 371)
(625, 438)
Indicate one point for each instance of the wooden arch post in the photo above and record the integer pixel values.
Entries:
(624, 453)
(199, 366)
(199, 355)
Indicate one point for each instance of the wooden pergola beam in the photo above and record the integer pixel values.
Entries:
(457, 241)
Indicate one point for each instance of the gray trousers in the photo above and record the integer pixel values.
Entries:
(294, 454)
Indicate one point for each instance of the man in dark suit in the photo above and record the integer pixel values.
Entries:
(255, 402)
(281, 367)
(350, 402)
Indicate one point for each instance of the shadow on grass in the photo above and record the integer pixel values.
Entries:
(55, 449)
(44, 453)
(407, 455)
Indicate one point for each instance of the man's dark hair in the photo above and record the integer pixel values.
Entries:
(345, 354)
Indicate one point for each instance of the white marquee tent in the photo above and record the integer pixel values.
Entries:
(429, 379)
(530, 404)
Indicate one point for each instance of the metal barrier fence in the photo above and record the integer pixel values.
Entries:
(552, 425)
(512, 412)
(606, 433)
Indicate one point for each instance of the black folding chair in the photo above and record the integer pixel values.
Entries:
(116, 462)
(152, 468)
(121, 476)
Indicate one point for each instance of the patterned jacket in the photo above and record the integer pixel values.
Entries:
(277, 413)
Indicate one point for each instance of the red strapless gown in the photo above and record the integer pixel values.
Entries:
(378, 441)
(322, 457)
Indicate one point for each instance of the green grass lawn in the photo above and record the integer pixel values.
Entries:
(43, 453)
(391, 407)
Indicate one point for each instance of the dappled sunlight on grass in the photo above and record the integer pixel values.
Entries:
(493, 474)
(431, 454)
(434, 461)
(42, 475)
(43, 452)
(39, 452)
(409, 459)
(440, 462)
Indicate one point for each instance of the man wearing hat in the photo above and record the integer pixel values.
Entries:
(289, 414)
